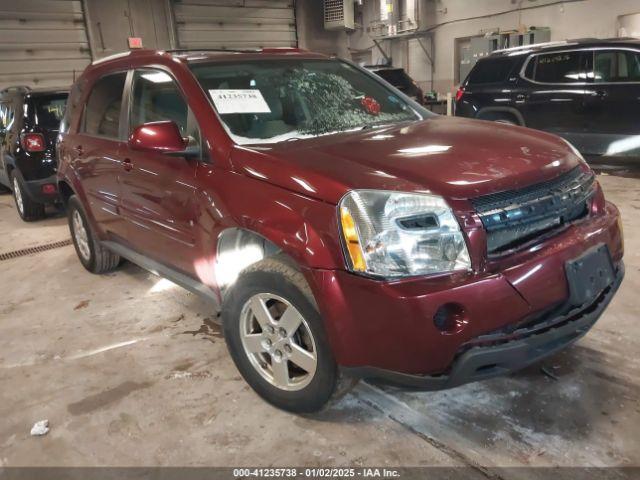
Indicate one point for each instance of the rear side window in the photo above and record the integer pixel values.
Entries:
(558, 67)
(49, 110)
(617, 66)
(102, 111)
(491, 71)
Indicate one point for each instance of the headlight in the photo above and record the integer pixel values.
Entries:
(394, 234)
(574, 150)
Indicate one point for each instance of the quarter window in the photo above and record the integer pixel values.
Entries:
(102, 111)
(617, 66)
(560, 67)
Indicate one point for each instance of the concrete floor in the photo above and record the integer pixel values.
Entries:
(131, 370)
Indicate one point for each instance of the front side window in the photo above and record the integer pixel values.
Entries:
(616, 66)
(561, 67)
(278, 100)
(156, 98)
(102, 111)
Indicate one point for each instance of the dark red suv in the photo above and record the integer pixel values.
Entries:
(344, 231)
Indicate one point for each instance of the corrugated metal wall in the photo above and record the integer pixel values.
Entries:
(235, 23)
(42, 42)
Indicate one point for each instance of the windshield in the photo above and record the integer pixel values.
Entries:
(277, 100)
(49, 110)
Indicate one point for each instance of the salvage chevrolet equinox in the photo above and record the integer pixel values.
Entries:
(343, 231)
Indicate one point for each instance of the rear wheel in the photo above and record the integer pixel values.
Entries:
(276, 338)
(27, 208)
(93, 256)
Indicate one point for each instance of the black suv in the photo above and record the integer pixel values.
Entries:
(29, 123)
(587, 91)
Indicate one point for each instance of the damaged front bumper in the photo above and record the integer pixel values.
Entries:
(501, 353)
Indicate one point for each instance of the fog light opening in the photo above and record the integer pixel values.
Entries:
(450, 318)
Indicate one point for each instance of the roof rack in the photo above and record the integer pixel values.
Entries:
(533, 45)
(236, 50)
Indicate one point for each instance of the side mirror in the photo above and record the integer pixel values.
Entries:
(160, 137)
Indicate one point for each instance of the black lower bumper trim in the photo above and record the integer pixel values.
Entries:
(34, 190)
(483, 362)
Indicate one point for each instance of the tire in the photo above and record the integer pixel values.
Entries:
(262, 352)
(26, 207)
(93, 256)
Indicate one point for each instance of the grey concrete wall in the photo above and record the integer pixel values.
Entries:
(452, 19)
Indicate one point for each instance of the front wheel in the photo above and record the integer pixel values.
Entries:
(276, 338)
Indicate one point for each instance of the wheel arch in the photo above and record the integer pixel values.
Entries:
(239, 248)
(504, 110)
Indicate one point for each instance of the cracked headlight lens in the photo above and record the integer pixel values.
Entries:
(393, 234)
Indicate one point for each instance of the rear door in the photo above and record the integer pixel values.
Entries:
(158, 190)
(614, 101)
(96, 148)
(558, 86)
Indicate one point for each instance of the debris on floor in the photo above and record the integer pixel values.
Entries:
(40, 428)
(81, 305)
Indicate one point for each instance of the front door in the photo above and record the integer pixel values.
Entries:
(159, 190)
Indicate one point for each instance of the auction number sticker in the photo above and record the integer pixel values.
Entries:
(239, 101)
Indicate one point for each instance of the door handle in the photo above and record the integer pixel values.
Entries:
(601, 94)
(127, 165)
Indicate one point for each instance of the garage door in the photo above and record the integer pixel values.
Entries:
(235, 23)
(43, 43)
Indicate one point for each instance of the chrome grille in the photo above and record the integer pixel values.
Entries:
(515, 217)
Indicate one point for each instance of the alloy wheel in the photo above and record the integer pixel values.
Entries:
(81, 236)
(278, 341)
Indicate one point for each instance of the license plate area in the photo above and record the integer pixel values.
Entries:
(589, 274)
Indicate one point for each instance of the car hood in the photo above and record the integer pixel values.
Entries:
(452, 157)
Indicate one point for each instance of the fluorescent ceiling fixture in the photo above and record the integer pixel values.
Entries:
(156, 77)
(426, 149)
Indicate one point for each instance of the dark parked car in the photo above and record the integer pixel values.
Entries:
(401, 80)
(29, 122)
(587, 91)
(345, 231)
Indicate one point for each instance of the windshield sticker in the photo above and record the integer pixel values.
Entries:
(239, 101)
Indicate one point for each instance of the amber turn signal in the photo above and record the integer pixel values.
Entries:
(352, 240)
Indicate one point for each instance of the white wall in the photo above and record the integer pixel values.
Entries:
(588, 18)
